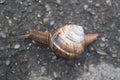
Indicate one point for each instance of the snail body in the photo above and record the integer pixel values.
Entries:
(68, 41)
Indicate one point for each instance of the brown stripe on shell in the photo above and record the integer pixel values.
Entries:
(68, 48)
(64, 53)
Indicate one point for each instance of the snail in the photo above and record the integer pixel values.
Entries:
(67, 41)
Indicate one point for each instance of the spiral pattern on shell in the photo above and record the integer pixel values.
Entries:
(68, 40)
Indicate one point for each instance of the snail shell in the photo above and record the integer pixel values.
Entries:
(68, 41)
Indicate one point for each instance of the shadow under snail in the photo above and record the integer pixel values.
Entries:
(67, 41)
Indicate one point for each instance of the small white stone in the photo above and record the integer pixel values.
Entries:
(38, 15)
(97, 5)
(37, 55)
(109, 2)
(101, 52)
(28, 48)
(33, 42)
(90, 1)
(102, 44)
(118, 30)
(119, 39)
(58, 1)
(118, 60)
(2, 1)
(2, 48)
(103, 39)
(30, 44)
(16, 63)
(85, 7)
(38, 62)
(91, 48)
(9, 20)
(54, 57)
(7, 62)
(40, 1)
(47, 7)
(3, 35)
(17, 46)
(91, 11)
(114, 55)
(43, 69)
(79, 64)
(45, 20)
(21, 2)
(52, 23)
(54, 74)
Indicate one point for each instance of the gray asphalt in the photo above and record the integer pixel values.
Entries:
(22, 59)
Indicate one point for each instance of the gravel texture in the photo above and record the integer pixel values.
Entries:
(23, 59)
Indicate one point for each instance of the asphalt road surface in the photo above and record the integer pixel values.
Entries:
(23, 59)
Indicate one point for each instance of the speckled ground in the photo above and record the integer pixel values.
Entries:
(22, 59)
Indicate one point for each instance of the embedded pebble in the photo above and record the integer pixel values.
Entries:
(58, 1)
(79, 64)
(54, 74)
(33, 42)
(45, 20)
(21, 2)
(91, 11)
(36, 76)
(85, 7)
(3, 35)
(43, 69)
(54, 57)
(8, 46)
(38, 15)
(118, 60)
(28, 48)
(91, 48)
(2, 48)
(17, 46)
(112, 49)
(44, 64)
(7, 62)
(114, 55)
(102, 44)
(119, 30)
(30, 44)
(40, 1)
(47, 7)
(38, 62)
(15, 18)
(101, 52)
(119, 39)
(9, 20)
(90, 1)
(2, 1)
(38, 47)
(109, 2)
(103, 39)
(52, 23)
(97, 5)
